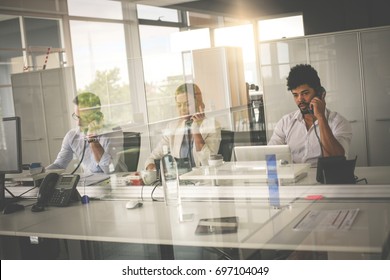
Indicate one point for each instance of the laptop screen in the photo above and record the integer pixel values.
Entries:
(258, 153)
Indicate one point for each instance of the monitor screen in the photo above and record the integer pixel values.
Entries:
(10, 146)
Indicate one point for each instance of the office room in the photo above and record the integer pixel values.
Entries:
(102, 101)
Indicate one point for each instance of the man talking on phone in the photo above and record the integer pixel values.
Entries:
(192, 136)
(313, 131)
(92, 148)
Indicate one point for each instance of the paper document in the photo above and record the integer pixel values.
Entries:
(326, 220)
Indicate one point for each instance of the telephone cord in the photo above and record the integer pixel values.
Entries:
(82, 157)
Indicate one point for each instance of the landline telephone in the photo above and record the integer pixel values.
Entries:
(320, 94)
(57, 190)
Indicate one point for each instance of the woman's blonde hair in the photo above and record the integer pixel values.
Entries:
(192, 90)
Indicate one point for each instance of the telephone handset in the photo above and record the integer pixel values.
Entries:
(189, 122)
(57, 190)
(319, 94)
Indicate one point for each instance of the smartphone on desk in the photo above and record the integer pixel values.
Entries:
(57, 190)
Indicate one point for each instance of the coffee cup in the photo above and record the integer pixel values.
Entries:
(35, 168)
(149, 176)
(215, 160)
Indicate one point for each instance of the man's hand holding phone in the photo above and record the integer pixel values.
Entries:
(318, 105)
(93, 130)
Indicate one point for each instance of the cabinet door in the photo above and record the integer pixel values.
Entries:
(219, 72)
(336, 58)
(376, 71)
(28, 104)
(56, 106)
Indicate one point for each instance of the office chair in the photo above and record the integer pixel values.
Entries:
(131, 149)
(226, 145)
(336, 170)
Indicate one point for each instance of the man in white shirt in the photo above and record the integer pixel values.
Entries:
(95, 149)
(192, 136)
(313, 131)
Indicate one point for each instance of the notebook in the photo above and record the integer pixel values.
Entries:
(258, 153)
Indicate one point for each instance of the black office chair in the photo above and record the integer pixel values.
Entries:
(226, 145)
(336, 170)
(131, 149)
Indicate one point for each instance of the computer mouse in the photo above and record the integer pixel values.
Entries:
(132, 204)
(12, 208)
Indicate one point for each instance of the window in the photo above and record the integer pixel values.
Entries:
(278, 28)
(163, 71)
(190, 40)
(240, 36)
(26, 51)
(43, 43)
(157, 13)
(101, 66)
(11, 60)
(95, 8)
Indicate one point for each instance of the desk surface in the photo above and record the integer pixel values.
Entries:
(244, 170)
(377, 177)
(154, 223)
(229, 174)
(369, 233)
(260, 225)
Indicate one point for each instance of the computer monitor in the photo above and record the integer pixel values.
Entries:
(258, 153)
(10, 151)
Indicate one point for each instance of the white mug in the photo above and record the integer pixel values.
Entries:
(148, 176)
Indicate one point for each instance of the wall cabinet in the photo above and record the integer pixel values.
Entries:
(354, 67)
(336, 58)
(375, 46)
(43, 100)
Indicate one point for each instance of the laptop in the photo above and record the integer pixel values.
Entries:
(258, 153)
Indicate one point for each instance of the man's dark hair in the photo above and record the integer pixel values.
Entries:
(87, 100)
(303, 74)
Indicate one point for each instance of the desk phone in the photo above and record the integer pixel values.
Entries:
(56, 190)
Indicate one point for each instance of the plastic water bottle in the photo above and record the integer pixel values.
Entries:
(170, 179)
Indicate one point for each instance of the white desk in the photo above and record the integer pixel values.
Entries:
(234, 175)
(260, 226)
(154, 223)
(368, 236)
(377, 177)
(247, 171)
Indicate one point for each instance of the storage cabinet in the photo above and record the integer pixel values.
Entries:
(219, 72)
(336, 58)
(376, 77)
(43, 100)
